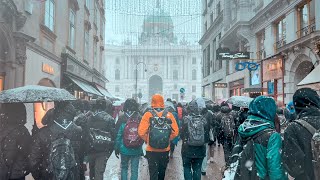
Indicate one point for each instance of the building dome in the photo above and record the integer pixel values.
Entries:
(157, 28)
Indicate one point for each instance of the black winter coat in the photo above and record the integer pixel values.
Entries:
(297, 155)
(15, 147)
(39, 157)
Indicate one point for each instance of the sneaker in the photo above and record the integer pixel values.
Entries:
(203, 173)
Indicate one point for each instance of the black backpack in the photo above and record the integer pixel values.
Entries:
(196, 132)
(160, 130)
(62, 159)
(99, 140)
(246, 168)
(228, 126)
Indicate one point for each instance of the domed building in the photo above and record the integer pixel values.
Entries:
(158, 64)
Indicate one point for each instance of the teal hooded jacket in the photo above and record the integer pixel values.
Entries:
(262, 112)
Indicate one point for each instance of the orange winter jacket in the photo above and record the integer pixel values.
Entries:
(143, 131)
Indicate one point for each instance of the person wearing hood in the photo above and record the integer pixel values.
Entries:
(158, 158)
(15, 141)
(193, 155)
(226, 130)
(260, 126)
(129, 155)
(59, 129)
(297, 152)
(290, 112)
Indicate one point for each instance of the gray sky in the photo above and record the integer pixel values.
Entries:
(124, 18)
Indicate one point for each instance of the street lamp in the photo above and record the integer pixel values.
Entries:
(145, 70)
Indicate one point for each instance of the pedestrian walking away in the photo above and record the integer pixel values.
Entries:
(298, 149)
(15, 142)
(157, 128)
(195, 137)
(260, 155)
(128, 143)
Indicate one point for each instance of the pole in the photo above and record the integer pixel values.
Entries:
(136, 96)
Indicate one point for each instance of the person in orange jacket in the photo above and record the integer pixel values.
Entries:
(158, 158)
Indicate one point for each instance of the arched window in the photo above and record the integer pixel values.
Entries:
(117, 74)
(175, 75)
(194, 74)
(117, 61)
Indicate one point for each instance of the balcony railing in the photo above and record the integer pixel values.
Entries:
(280, 43)
(306, 30)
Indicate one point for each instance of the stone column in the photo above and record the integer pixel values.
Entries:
(270, 40)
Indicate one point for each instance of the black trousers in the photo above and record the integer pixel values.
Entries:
(158, 162)
(227, 148)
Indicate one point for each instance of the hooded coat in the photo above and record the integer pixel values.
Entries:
(195, 151)
(59, 122)
(157, 103)
(13, 134)
(262, 112)
(297, 153)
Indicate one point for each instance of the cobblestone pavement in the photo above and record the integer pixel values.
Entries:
(174, 169)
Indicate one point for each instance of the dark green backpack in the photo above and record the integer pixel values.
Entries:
(246, 169)
(160, 130)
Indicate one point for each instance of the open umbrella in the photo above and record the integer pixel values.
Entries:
(35, 93)
(240, 101)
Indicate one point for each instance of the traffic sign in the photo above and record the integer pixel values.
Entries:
(182, 90)
(140, 95)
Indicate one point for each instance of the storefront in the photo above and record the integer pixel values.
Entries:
(220, 89)
(236, 87)
(312, 80)
(255, 88)
(78, 78)
(272, 78)
(41, 69)
(207, 91)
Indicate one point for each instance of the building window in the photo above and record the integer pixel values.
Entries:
(194, 60)
(208, 60)
(204, 59)
(95, 49)
(175, 86)
(218, 8)
(194, 89)
(117, 89)
(102, 28)
(117, 61)
(95, 14)
(49, 14)
(194, 74)
(1, 83)
(175, 61)
(205, 27)
(211, 18)
(281, 33)
(175, 75)
(117, 74)
(88, 3)
(306, 19)
(71, 28)
(86, 45)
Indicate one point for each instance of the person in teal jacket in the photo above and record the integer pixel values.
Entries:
(262, 113)
(128, 155)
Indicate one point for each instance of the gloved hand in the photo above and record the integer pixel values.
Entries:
(117, 152)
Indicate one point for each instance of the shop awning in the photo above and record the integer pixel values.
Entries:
(104, 92)
(311, 78)
(86, 86)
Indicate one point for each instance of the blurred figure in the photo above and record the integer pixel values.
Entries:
(157, 128)
(128, 142)
(57, 148)
(15, 142)
(297, 150)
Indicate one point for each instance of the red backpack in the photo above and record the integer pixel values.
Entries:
(180, 113)
(131, 138)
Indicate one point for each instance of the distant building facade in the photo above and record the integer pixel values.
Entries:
(163, 66)
(281, 37)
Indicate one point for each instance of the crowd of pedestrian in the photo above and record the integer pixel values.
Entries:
(82, 132)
